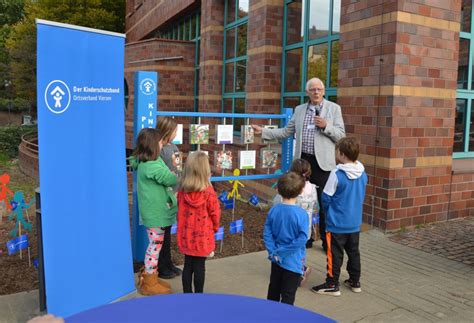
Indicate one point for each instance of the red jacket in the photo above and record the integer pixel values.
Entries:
(198, 220)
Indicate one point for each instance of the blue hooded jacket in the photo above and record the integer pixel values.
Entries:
(285, 235)
(343, 197)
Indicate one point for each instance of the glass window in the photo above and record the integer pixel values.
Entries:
(461, 107)
(471, 132)
(318, 61)
(243, 8)
(239, 108)
(293, 70)
(241, 74)
(230, 11)
(336, 17)
(463, 63)
(318, 19)
(466, 15)
(291, 102)
(193, 27)
(242, 40)
(186, 30)
(295, 22)
(230, 43)
(334, 63)
(229, 78)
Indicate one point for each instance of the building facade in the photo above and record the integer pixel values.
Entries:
(400, 69)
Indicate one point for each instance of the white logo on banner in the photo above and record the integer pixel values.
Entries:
(147, 86)
(57, 96)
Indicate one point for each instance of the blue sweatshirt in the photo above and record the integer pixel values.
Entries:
(343, 197)
(285, 235)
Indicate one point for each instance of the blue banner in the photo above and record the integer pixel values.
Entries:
(84, 199)
(145, 97)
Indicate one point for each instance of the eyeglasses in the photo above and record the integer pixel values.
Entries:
(316, 90)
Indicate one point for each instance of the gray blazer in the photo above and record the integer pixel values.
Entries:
(324, 141)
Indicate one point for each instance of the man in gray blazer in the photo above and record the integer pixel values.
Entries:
(318, 124)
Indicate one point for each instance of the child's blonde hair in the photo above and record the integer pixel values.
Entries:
(196, 173)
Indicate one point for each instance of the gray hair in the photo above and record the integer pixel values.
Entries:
(314, 79)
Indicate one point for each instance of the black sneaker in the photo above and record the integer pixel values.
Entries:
(354, 286)
(167, 274)
(176, 270)
(327, 289)
(309, 244)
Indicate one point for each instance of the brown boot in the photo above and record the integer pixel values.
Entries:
(160, 281)
(148, 285)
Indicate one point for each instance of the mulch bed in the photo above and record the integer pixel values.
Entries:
(16, 276)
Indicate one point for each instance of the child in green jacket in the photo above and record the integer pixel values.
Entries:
(156, 203)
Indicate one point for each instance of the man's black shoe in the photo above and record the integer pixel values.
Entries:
(176, 270)
(167, 274)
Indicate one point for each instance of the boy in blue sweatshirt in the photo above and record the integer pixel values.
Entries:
(342, 201)
(285, 235)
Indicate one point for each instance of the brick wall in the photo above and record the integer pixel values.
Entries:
(397, 84)
(143, 17)
(175, 76)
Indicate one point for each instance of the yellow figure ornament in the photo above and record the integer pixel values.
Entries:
(235, 186)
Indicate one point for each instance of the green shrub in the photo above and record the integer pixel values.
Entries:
(16, 105)
(10, 139)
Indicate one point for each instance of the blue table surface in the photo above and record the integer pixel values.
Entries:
(197, 308)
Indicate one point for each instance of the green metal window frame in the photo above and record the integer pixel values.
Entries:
(227, 27)
(305, 45)
(467, 94)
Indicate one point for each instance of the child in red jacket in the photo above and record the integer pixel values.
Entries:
(198, 219)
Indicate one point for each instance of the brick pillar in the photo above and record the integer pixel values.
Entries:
(211, 51)
(264, 50)
(397, 72)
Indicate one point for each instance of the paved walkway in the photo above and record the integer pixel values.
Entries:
(400, 284)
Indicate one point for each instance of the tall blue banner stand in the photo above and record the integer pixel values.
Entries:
(84, 200)
(146, 91)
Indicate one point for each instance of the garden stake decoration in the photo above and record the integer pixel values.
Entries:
(277, 172)
(219, 236)
(5, 192)
(237, 226)
(235, 190)
(20, 205)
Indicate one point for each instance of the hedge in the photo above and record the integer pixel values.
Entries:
(16, 105)
(10, 138)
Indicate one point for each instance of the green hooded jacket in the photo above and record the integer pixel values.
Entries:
(157, 202)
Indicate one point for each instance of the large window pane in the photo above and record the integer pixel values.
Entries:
(461, 107)
(463, 63)
(227, 108)
(295, 22)
(291, 102)
(241, 71)
(318, 19)
(193, 27)
(230, 44)
(318, 62)
(336, 17)
(230, 11)
(186, 29)
(466, 15)
(471, 132)
(242, 40)
(239, 107)
(334, 63)
(243, 8)
(293, 70)
(229, 78)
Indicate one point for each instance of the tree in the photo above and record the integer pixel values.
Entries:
(21, 42)
(11, 11)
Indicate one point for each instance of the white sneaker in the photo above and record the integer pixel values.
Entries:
(211, 254)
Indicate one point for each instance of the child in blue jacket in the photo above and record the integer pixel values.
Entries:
(342, 200)
(285, 235)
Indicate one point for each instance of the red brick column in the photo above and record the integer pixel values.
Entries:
(264, 50)
(397, 72)
(211, 51)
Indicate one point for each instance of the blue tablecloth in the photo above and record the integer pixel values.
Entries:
(198, 308)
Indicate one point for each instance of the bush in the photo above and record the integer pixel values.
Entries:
(10, 139)
(16, 105)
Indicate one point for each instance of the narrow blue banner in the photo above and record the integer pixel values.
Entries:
(84, 199)
(145, 101)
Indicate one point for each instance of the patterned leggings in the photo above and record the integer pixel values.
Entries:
(155, 236)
